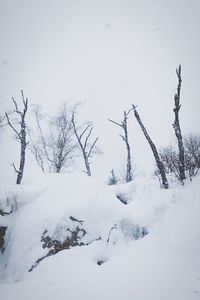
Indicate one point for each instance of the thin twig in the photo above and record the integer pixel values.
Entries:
(9, 123)
(90, 151)
(15, 169)
(121, 125)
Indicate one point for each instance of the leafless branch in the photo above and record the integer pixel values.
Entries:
(13, 128)
(121, 125)
(21, 135)
(127, 113)
(91, 148)
(86, 152)
(15, 169)
(84, 131)
(87, 137)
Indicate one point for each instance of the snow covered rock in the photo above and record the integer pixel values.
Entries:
(60, 212)
(132, 231)
(122, 197)
(66, 235)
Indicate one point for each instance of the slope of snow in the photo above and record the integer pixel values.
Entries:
(164, 264)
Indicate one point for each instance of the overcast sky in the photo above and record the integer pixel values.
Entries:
(107, 54)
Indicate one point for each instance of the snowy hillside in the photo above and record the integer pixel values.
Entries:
(71, 238)
(108, 89)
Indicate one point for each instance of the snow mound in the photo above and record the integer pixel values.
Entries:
(58, 212)
(110, 260)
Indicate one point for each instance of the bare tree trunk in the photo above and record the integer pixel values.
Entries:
(124, 126)
(154, 150)
(23, 143)
(177, 128)
(87, 165)
(129, 176)
(22, 161)
(21, 136)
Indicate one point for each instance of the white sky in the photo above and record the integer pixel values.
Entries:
(108, 54)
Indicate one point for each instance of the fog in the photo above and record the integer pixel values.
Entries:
(108, 55)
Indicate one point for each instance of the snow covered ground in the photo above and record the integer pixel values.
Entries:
(148, 249)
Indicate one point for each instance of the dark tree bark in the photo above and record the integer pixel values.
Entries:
(177, 128)
(20, 135)
(124, 126)
(154, 150)
(87, 149)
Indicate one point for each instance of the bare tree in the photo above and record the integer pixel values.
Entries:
(177, 128)
(124, 125)
(61, 139)
(192, 154)
(20, 134)
(169, 158)
(192, 147)
(154, 150)
(87, 148)
(54, 150)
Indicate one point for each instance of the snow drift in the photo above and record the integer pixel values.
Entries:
(100, 252)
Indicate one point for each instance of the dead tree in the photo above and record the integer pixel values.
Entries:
(87, 149)
(154, 150)
(123, 124)
(192, 154)
(20, 135)
(54, 150)
(177, 128)
(169, 158)
(192, 148)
